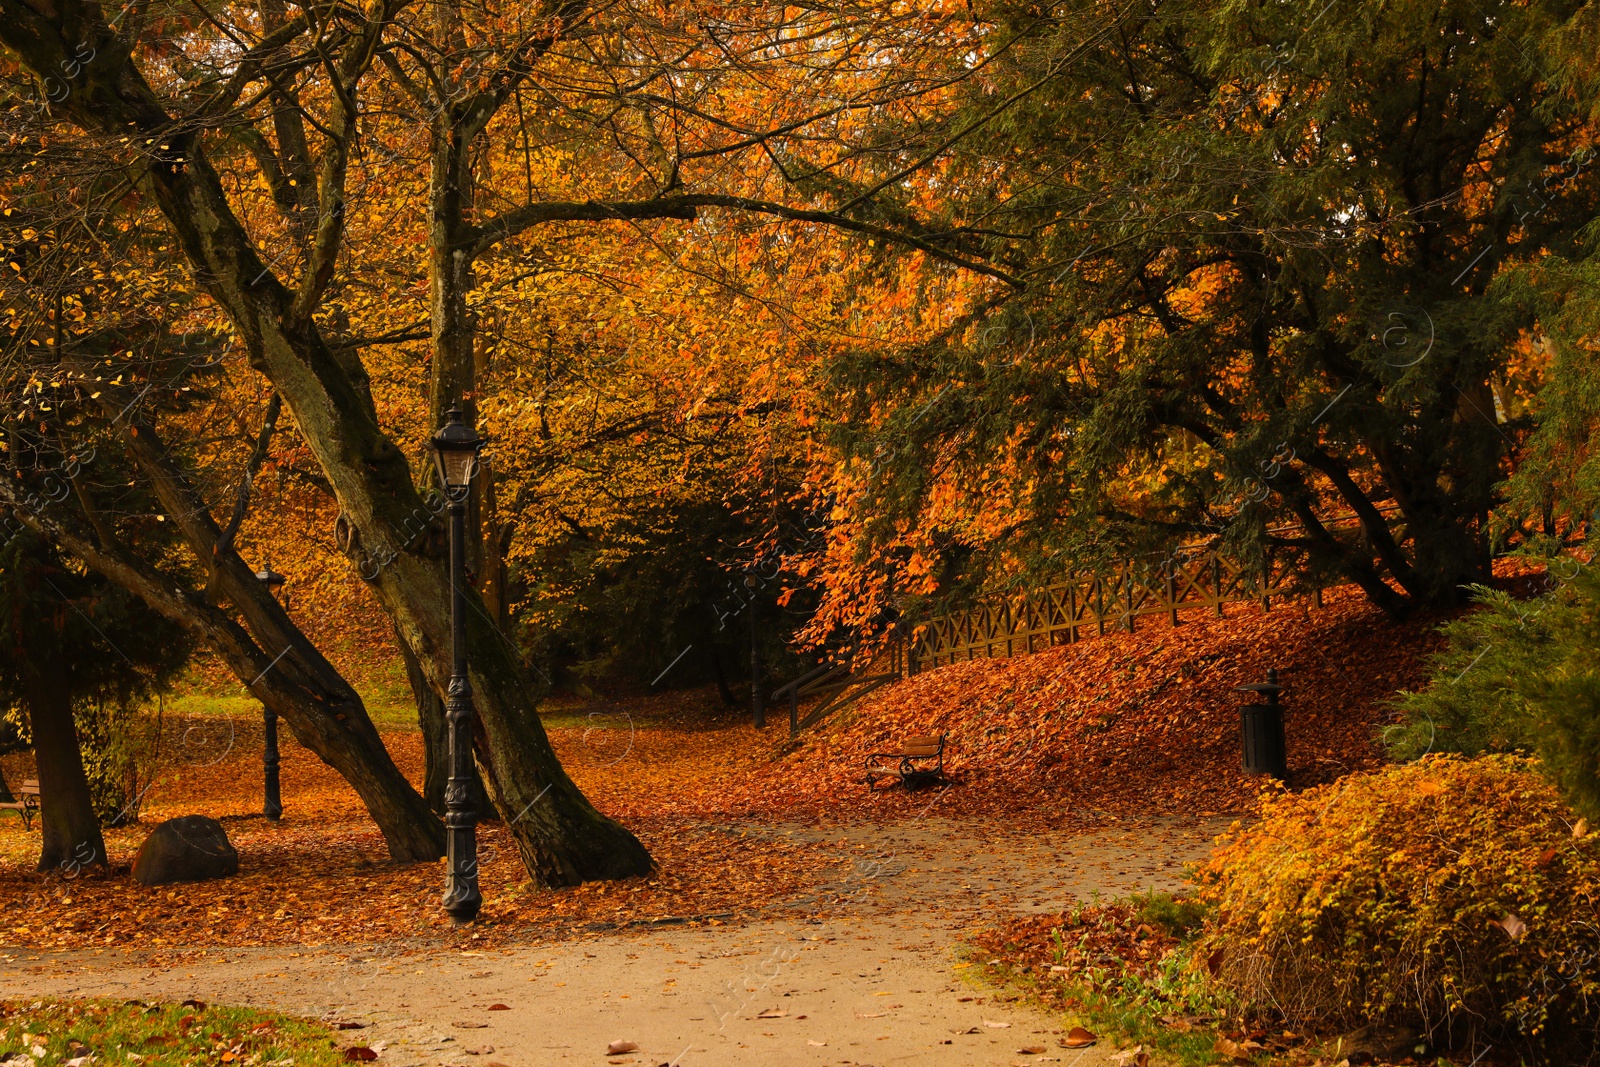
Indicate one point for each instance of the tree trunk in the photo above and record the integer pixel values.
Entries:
(5, 790)
(714, 652)
(72, 839)
(334, 722)
(435, 732)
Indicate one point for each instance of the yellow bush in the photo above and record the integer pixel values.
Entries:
(1455, 896)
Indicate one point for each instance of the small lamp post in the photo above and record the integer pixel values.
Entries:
(272, 801)
(455, 451)
(1261, 730)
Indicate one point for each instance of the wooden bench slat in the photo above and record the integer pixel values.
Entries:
(26, 804)
(913, 751)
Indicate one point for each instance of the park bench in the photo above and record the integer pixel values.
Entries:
(26, 804)
(921, 762)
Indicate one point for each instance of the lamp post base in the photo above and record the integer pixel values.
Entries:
(272, 803)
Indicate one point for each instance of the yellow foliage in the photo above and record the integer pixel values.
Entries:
(1456, 896)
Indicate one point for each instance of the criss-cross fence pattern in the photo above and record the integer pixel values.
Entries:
(1058, 614)
(1087, 605)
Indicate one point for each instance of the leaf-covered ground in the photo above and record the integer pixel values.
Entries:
(1137, 724)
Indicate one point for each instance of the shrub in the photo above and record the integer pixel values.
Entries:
(1449, 895)
(1519, 676)
(120, 746)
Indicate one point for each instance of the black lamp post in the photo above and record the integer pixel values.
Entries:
(272, 802)
(455, 450)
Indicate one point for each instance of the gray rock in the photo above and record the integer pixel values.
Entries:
(190, 848)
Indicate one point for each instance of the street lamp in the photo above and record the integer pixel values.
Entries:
(272, 802)
(455, 451)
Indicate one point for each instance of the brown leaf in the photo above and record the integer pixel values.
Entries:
(619, 1046)
(1078, 1037)
(197, 1005)
(499, 1007)
(1514, 927)
(771, 1013)
(1031, 1050)
(351, 1026)
(359, 1053)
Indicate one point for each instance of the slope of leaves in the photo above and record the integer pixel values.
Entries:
(1144, 722)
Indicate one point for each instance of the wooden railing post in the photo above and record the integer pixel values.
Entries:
(1216, 581)
(1127, 596)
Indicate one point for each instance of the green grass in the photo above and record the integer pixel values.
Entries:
(389, 710)
(1127, 1012)
(1172, 1014)
(161, 1035)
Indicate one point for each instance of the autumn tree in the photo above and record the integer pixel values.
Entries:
(105, 352)
(1250, 254)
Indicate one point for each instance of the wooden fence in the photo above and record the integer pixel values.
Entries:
(1070, 610)
(1017, 625)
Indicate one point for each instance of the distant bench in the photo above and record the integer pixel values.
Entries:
(921, 762)
(26, 804)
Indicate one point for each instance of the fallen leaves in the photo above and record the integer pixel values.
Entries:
(322, 875)
(1239, 1050)
(1141, 723)
(1144, 722)
(1078, 1037)
(359, 1054)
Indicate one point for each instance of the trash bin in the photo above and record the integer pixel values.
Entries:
(1261, 730)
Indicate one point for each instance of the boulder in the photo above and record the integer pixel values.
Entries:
(190, 848)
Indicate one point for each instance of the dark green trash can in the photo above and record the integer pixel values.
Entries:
(1261, 730)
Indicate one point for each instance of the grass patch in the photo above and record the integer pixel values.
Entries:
(1121, 969)
(160, 1035)
(390, 709)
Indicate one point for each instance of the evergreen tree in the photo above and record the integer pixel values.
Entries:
(1519, 675)
(1252, 248)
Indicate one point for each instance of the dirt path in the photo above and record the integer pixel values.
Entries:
(861, 972)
